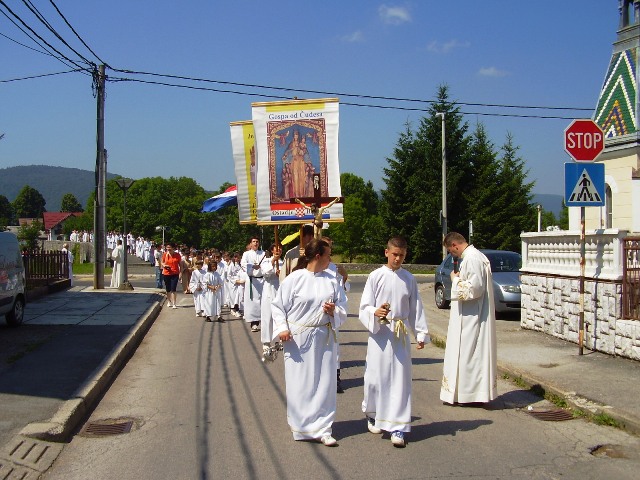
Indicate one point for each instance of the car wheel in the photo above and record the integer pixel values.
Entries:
(16, 315)
(440, 300)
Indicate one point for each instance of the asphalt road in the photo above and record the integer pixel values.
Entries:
(203, 406)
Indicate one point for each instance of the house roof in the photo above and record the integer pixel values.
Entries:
(52, 219)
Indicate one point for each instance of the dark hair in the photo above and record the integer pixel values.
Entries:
(313, 248)
(398, 242)
(307, 230)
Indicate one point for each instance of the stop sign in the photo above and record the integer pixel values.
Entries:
(583, 140)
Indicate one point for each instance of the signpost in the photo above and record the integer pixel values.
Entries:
(583, 141)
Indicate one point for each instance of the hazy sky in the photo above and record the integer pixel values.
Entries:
(546, 53)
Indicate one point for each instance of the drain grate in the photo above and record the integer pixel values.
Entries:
(554, 415)
(102, 428)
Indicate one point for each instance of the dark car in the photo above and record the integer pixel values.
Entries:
(505, 270)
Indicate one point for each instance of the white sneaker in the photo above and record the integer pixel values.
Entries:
(397, 438)
(174, 306)
(170, 305)
(328, 441)
(371, 425)
(198, 314)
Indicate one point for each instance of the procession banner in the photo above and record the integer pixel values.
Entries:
(244, 159)
(295, 140)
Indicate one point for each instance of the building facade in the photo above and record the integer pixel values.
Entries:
(556, 291)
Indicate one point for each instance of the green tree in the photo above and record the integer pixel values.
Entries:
(361, 202)
(411, 203)
(29, 203)
(70, 203)
(353, 185)
(6, 212)
(30, 234)
(563, 219)
(349, 237)
(502, 209)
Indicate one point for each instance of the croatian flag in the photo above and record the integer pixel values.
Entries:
(226, 198)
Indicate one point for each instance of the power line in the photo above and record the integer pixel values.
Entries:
(40, 76)
(389, 107)
(44, 21)
(17, 17)
(340, 94)
(76, 33)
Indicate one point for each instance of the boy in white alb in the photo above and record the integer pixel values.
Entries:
(390, 308)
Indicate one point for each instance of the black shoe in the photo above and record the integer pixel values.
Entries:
(220, 319)
(208, 319)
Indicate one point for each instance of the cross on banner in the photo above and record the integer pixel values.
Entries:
(315, 205)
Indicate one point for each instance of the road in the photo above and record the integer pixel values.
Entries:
(204, 406)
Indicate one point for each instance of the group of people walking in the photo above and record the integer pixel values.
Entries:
(298, 301)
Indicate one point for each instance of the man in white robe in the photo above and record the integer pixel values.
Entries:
(470, 372)
(251, 264)
(65, 249)
(309, 355)
(391, 295)
(117, 275)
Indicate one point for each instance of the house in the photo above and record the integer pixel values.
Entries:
(53, 223)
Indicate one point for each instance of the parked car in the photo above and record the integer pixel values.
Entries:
(505, 270)
(12, 280)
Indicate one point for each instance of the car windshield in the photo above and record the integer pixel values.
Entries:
(504, 261)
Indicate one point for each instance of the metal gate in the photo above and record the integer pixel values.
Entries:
(631, 278)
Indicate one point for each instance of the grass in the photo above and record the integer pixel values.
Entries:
(559, 401)
(87, 269)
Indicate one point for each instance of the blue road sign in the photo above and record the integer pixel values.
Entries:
(584, 184)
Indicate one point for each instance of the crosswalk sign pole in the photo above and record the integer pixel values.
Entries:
(583, 250)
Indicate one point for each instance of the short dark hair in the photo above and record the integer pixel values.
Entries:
(307, 230)
(451, 237)
(397, 241)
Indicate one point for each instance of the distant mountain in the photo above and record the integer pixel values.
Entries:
(549, 202)
(52, 182)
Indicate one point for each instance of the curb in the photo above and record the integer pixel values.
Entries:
(74, 411)
(576, 401)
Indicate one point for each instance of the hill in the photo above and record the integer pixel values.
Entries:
(52, 182)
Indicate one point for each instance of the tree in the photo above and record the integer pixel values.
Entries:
(29, 203)
(348, 237)
(29, 234)
(70, 203)
(411, 205)
(6, 212)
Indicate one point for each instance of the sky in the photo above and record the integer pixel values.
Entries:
(547, 53)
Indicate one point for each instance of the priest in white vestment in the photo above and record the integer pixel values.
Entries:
(117, 254)
(309, 306)
(470, 373)
(391, 309)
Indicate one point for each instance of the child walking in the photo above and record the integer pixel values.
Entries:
(390, 307)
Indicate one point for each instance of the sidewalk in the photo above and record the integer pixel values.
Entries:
(86, 337)
(594, 382)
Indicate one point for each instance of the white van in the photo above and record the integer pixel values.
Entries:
(12, 280)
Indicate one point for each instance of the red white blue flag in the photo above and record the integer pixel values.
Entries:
(226, 198)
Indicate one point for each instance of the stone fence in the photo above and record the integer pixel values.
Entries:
(551, 289)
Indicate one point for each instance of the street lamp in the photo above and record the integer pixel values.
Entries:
(125, 184)
(444, 186)
(163, 228)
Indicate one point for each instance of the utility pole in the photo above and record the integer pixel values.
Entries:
(443, 217)
(99, 210)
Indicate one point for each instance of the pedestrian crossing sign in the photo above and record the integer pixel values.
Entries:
(584, 184)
